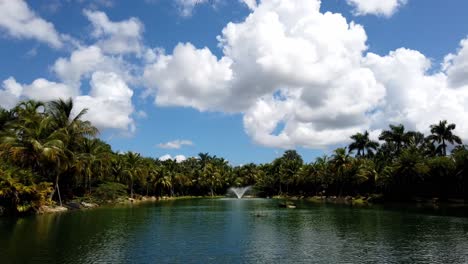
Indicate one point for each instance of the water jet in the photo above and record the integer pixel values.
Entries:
(239, 191)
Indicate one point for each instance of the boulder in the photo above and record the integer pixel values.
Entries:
(89, 205)
(52, 209)
(73, 205)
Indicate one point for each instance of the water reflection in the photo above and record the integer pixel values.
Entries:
(235, 231)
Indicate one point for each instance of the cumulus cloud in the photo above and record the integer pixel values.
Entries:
(40, 89)
(116, 37)
(376, 7)
(456, 66)
(86, 60)
(287, 63)
(177, 158)
(175, 144)
(19, 21)
(189, 77)
(303, 78)
(109, 102)
(414, 96)
(10, 93)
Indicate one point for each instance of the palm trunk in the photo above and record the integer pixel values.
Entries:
(56, 188)
(444, 148)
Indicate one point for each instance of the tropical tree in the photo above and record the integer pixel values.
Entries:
(132, 169)
(342, 165)
(32, 143)
(442, 133)
(363, 144)
(396, 137)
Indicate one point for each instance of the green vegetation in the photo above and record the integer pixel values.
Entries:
(49, 153)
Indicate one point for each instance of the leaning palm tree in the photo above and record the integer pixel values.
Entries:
(397, 136)
(363, 144)
(75, 127)
(443, 133)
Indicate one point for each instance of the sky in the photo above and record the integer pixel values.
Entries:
(241, 79)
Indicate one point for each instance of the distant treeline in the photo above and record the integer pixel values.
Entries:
(49, 154)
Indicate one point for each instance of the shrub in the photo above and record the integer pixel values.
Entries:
(110, 191)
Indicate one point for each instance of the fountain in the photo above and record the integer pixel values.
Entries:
(239, 191)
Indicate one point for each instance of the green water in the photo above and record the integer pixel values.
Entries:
(237, 231)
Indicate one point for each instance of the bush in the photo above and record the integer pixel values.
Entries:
(110, 191)
(18, 197)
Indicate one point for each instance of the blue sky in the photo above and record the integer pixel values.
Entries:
(247, 79)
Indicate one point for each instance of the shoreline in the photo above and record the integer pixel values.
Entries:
(86, 203)
(81, 204)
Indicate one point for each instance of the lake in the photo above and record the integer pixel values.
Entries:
(237, 231)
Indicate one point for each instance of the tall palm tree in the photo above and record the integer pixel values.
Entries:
(397, 136)
(133, 169)
(92, 161)
(363, 144)
(443, 133)
(342, 163)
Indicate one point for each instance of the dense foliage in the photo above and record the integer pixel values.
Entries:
(48, 152)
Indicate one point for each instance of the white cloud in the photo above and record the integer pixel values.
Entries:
(456, 66)
(285, 64)
(44, 90)
(116, 37)
(376, 7)
(109, 102)
(177, 158)
(303, 78)
(175, 144)
(10, 93)
(415, 97)
(40, 89)
(86, 60)
(189, 77)
(19, 21)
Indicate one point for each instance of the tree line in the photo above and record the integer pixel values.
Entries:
(48, 152)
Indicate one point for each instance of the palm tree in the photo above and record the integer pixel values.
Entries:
(38, 150)
(342, 163)
(443, 133)
(5, 118)
(132, 165)
(396, 135)
(92, 160)
(75, 127)
(363, 144)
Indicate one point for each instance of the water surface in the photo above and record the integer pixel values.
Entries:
(237, 231)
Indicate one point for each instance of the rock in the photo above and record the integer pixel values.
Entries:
(73, 206)
(89, 205)
(52, 209)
